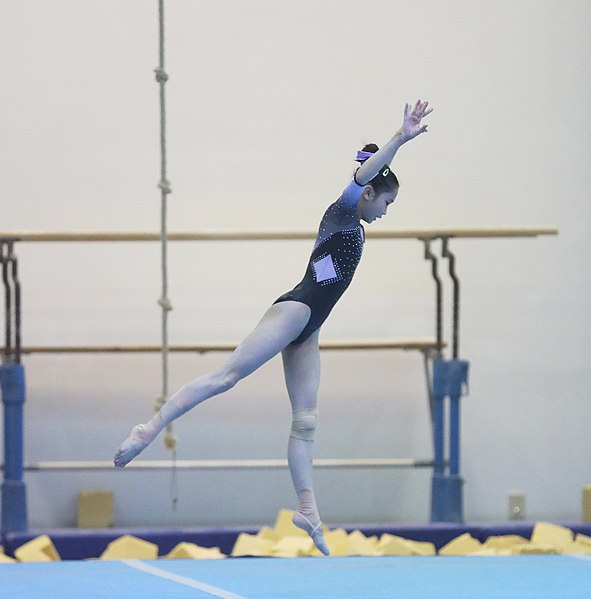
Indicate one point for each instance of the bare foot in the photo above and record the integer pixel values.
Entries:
(132, 446)
(315, 532)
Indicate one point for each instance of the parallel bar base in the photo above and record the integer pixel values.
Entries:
(14, 506)
(447, 498)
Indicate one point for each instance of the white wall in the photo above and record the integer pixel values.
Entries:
(268, 102)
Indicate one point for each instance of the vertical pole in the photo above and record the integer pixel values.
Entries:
(14, 502)
(439, 479)
(454, 435)
(438, 419)
(4, 258)
(456, 297)
(17, 302)
(449, 378)
(429, 255)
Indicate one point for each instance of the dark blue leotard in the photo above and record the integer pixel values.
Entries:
(335, 257)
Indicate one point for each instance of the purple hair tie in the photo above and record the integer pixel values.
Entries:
(363, 156)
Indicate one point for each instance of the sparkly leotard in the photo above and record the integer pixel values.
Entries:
(335, 257)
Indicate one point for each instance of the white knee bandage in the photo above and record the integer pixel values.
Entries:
(303, 424)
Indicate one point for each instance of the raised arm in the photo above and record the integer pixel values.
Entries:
(411, 128)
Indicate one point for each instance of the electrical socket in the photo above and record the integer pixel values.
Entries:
(516, 506)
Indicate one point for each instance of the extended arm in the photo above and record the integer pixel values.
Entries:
(411, 128)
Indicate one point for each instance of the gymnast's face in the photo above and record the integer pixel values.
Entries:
(374, 205)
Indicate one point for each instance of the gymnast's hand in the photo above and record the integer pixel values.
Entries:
(411, 126)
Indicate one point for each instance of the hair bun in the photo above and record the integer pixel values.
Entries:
(373, 148)
(367, 151)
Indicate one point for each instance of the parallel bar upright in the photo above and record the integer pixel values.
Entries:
(450, 377)
(12, 385)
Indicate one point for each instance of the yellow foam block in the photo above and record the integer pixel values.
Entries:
(4, 559)
(394, 545)
(130, 547)
(95, 509)
(462, 545)
(40, 549)
(267, 533)
(586, 499)
(423, 548)
(584, 539)
(337, 541)
(487, 552)
(535, 549)
(193, 551)
(576, 548)
(504, 541)
(359, 544)
(293, 547)
(284, 527)
(551, 534)
(252, 545)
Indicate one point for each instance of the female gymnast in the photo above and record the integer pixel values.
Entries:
(292, 324)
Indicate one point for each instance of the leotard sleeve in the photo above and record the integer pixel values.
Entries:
(344, 210)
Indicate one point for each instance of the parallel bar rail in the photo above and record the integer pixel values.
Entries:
(130, 236)
(253, 464)
(345, 345)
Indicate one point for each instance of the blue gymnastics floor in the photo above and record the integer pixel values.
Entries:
(523, 577)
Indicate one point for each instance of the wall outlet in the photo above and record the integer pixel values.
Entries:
(516, 506)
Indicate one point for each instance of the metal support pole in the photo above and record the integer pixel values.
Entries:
(456, 296)
(449, 379)
(12, 303)
(454, 436)
(429, 255)
(438, 433)
(4, 252)
(14, 500)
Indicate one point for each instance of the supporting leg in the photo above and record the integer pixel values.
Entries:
(301, 364)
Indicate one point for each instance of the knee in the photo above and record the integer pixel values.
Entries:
(303, 424)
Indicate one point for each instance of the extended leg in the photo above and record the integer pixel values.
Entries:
(281, 324)
(301, 364)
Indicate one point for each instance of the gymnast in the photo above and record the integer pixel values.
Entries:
(292, 324)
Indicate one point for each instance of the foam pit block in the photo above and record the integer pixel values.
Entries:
(395, 545)
(551, 534)
(463, 545)
(95, 509)
(130, 547)
(267, 533)
(293, 547)
(359, 544)
(192, 551)
(536, 549)
(5, 559)
(40, 549)
(587, 503)
(501, 542)
(583, 539)
(488, 552)
(576, 548)
(252, 545)
(337, 541)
